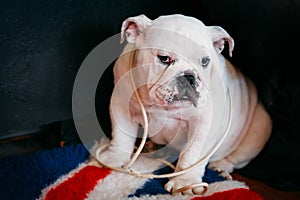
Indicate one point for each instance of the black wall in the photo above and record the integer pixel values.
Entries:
(43, 43)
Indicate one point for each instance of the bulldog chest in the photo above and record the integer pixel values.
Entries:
(166, 125)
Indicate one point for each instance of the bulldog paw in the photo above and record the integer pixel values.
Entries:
(112, 157)
(186, 185)
(222, 173)
(223, 167)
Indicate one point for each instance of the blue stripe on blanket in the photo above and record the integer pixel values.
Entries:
(23, 177)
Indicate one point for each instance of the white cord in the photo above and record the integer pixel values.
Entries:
(145, 134)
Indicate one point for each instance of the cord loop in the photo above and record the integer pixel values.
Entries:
(127, 167)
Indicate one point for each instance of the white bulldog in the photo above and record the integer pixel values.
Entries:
(186, 87)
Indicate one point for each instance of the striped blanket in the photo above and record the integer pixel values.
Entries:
(62, 174)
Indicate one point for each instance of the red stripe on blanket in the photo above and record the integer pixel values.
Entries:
(78, 186)
(235, 194)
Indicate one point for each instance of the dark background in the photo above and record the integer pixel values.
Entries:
(43, 43)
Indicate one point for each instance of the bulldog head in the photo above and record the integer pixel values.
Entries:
(175, 53)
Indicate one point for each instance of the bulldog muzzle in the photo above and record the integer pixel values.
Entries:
(184, 87)
(187, 88)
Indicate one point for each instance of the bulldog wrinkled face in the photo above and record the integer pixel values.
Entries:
(178, 81)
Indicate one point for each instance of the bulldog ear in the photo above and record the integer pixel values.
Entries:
(220, 36)
(132, 27)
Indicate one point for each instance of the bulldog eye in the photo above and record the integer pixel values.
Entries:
(166, 60)
(205, 61)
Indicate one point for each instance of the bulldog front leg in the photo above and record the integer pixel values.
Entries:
(124, 133)
(119, 151)
(190, 155)
(189, 178)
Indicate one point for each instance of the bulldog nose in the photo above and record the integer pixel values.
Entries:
(190, 79)
(186, 80)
